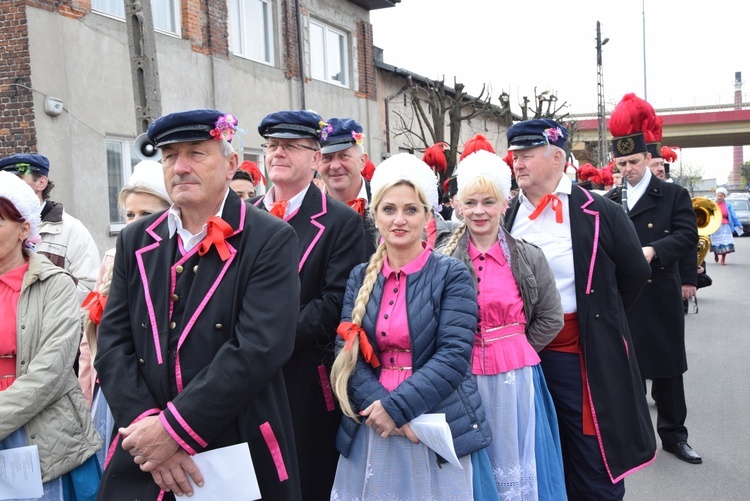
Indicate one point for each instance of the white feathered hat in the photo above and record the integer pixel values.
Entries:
(149, 174)
(23, 199)
(484, 163)
(407, 166)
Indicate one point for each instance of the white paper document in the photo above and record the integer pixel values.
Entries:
(228, 473)
(433, 431)
(20, 475)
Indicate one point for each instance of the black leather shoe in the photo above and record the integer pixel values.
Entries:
(684, 452)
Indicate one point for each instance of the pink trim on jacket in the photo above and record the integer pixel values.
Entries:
(321, 229)
(209, 295)
(325, 383)
(175, 436)
(113, 445)
(596, 238)
(146, 289)
(184, 425)
(199, 310)
(273, 447)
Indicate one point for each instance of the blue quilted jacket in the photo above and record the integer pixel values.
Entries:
(442, 313)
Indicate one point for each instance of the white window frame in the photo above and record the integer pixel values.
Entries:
(240, 36)
(116, 10)
(117, 177)
(324, 73)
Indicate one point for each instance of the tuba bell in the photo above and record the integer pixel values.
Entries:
(708, 217)
(145, 150)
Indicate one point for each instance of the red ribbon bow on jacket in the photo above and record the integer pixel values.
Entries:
(279, 209)
(349, 331)
(556, 206)
(217, 230)
(359, 205)
(95, 303)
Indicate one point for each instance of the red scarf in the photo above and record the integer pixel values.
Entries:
(279, 209)
(359, 205)
(216, 232)
(556, 206)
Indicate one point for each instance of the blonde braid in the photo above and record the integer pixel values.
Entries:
(345, 361)
(453, 242)
(91, 330)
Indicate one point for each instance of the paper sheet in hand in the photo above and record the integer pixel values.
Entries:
(20, 475)
(433, 431)
(228, 473)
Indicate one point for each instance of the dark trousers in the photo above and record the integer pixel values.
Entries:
(669, 395)
(586, 477)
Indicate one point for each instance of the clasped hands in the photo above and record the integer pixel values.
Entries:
(379, 420)
(156, 452)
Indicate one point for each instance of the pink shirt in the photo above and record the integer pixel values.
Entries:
(500, 343)
(10, 291)
(392, 327)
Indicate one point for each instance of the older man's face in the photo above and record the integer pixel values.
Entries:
(290, 162)
(535, 167)
(341, 170)
(657, 168)
(196, 174)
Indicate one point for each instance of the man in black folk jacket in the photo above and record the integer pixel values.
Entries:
(590, 367)
(199, 322)
(331, 242)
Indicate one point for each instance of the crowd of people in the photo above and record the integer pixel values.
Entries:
(317, 317)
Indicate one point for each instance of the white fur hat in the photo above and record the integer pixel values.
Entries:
(407, 166)
(23, 199)
(149, 174)
(723, 190)
(484, 163)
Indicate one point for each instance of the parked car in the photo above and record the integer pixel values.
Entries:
(742, 208)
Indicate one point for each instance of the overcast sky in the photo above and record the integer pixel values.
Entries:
(692, 53)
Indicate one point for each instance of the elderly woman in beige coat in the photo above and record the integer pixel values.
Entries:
(40, 401)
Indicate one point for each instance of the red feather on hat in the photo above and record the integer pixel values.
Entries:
(632, 115)
(588, 172)
(255, 173)
(476, 143)
(446, 185)
(434, 156)
(605, 175)
(368, 170)
(654, 133)
(668, 154)
(508, 159)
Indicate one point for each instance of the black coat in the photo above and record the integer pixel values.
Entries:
(210, 360)
(331, 242)
(664, 219)
(610, 271)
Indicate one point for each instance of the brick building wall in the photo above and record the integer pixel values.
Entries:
(17, 132)
(366, 61)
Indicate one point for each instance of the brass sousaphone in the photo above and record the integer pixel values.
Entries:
(708, 216)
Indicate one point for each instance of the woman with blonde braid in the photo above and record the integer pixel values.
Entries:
(143, 195)
(519, 312)
(407, 327)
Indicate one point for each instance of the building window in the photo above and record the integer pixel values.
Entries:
(250, 29)
(328, 54)
(121, 159)
(165, 13)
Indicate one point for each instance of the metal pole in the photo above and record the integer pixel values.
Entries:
(601, 147)
(645, 88)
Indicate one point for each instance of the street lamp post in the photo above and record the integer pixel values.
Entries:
(601, 148)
